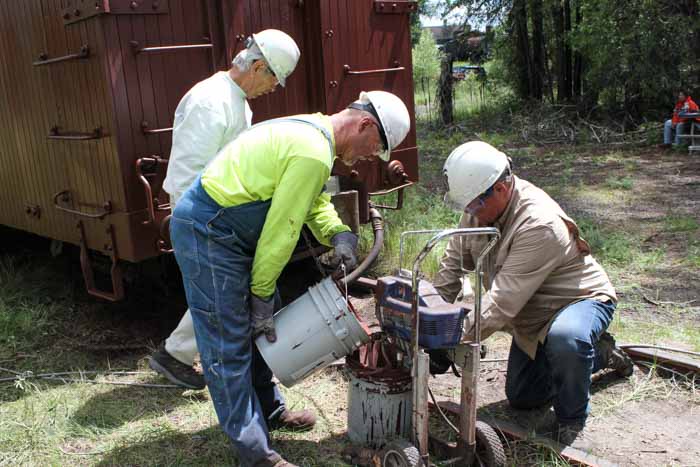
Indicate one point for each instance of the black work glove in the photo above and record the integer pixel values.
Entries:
(261, 312)
(345, 250)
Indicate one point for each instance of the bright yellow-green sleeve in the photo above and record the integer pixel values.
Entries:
(295, 197)
(323, 220)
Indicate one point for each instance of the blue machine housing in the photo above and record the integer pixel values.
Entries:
(440, 323)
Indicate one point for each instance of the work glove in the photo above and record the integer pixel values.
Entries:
(261, 312)
(345, 250)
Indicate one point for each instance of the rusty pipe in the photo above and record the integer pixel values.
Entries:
(378, 229)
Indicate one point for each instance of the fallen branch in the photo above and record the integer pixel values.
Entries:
(19, 376)
(663, 303)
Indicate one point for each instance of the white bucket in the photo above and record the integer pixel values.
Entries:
(313, 331)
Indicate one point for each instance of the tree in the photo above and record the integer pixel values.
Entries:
(445, 90)
(424, 8)
(426, 58)
(625, 57)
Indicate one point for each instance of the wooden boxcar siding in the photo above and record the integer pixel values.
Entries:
(354, 34)
(146, 88)
(71, 95)
(303, 92)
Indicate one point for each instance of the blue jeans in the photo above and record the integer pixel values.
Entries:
(214, 248)
(680, 129)
(562, 368)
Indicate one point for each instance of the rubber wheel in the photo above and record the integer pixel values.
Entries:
(401, 453)
(489, 448)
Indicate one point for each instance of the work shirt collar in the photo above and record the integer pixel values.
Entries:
(235, 86)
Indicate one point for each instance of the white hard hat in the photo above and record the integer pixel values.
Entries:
(392, 115)
(471, 169)
(280, 51)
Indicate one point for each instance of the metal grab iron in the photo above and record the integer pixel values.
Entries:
(54, 133)
(349, 71)
(45, 60)
(136, 46)
(154, 131)
(65, 196)
(147, 167)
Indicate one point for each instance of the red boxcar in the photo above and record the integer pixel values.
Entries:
(88, 90)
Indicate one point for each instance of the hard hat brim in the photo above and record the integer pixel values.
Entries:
(282, 81)
(453, 204)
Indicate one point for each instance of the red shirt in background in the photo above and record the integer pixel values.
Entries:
(688, 105)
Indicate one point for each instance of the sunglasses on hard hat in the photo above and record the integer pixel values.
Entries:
(370, 108)
(479, 201)
(269, 71)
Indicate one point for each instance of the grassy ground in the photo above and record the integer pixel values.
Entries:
(638, 208)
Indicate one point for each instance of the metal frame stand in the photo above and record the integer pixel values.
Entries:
(421, 362)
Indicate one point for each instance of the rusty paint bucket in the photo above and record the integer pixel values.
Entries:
(379, 395)
(313, 331)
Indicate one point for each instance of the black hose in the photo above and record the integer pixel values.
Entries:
(378, 229)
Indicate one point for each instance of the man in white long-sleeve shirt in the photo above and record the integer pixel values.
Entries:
(213, 113)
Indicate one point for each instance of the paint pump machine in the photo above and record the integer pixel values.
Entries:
(388, 396)
(388, 371)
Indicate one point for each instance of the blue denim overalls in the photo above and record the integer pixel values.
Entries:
(214, 248)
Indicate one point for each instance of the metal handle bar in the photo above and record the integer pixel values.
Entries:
(415, 279)
(97, 133)
(420, 360)
(399, 198)
(167, 48)
(151, 163)
(390, 190)
(153, 131)
(45, 60)
(65, 197)
(348, 70)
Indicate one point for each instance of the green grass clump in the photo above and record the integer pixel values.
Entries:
(693, 256)
(618, 249)
(30, 300)
(682, 224)
(617, 183)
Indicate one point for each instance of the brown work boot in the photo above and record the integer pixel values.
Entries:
(573, 435)
(284, 463)
(176, 371)
(664, 147)
(615, 357)
(302, 420)
(274, 461)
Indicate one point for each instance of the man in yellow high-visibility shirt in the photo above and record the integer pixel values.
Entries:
(235, 229)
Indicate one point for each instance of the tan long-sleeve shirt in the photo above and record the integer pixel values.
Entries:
(540, 265)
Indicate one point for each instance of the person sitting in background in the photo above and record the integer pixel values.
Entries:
(677, 123)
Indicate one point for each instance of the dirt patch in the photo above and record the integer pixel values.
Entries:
(649, 433)
(658, 184)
